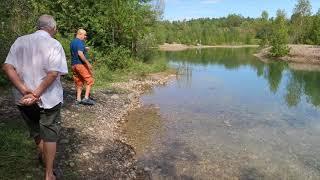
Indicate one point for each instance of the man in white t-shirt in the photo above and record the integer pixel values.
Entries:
(34, 66)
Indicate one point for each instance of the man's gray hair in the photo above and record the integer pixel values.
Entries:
(46, 21)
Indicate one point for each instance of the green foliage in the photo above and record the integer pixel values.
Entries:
(109, 23)
(16, 20)
(17, 152)
(118, 58)
(264, 29)
(302, 8)
(234, 29)
(264, 16)
(104, 76)
(303, 27)
(146, 47)
(279, 37)
(3, 80)
(301, 21)
(118, 30)
(315, 33)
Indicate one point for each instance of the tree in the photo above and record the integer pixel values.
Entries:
(279, 37)
(302, 8)
(315, 32)
(264, 16)
(234, 20)
(159, 6)
(264, 29)
(301, 21)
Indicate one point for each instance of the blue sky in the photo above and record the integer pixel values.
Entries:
(187, 9)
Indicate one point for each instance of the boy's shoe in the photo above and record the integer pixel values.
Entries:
(87, 101)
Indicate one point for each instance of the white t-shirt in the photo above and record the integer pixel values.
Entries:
(33, 56)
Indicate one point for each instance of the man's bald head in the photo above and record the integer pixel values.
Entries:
(81, 34)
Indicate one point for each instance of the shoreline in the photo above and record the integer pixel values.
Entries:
(91, 144)
(303, 54)
(104, 126)
(182, 47)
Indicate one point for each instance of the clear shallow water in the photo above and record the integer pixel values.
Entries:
(228, 115)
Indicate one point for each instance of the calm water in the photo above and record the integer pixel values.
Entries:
(228, 115)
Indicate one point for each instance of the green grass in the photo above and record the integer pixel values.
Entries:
(17, 153)
(3, 80)
(104, 77)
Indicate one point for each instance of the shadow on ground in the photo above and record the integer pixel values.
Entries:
(76, 159)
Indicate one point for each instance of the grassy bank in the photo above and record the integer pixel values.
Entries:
(17, 150)
(136, 70)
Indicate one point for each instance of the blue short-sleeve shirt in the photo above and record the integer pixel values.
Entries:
(75, 46)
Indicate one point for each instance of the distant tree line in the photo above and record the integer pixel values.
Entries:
(302, 27)
(233, 29)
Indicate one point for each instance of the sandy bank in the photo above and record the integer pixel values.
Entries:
(181, 47)
(309, 54)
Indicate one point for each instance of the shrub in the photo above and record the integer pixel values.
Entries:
(118, 58)
(279, 50)
(146, 47)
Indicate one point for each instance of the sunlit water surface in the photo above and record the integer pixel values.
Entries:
(228, 115)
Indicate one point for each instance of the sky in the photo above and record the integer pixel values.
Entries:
(187, 9)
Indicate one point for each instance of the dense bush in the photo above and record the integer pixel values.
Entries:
(118, 58)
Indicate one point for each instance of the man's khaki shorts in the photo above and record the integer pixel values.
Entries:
(43, 123)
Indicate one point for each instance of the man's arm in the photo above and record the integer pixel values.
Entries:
(84, 60)
(15, 79)
(48, 80)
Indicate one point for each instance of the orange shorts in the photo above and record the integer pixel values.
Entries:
(82, 75)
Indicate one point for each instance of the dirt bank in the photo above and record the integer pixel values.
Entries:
(181, 47)
(298, 53)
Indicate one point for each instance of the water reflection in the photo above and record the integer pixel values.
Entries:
(301, 80)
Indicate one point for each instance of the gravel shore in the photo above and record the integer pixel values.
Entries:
(91, 144)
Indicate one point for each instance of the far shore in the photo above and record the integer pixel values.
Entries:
(181, 47)
(299, 53)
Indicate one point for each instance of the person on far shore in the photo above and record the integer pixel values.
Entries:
(81, 67)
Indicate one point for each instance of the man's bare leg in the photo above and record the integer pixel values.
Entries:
(49, 149)
(40, 149)
(88, 89)
(79, 91)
